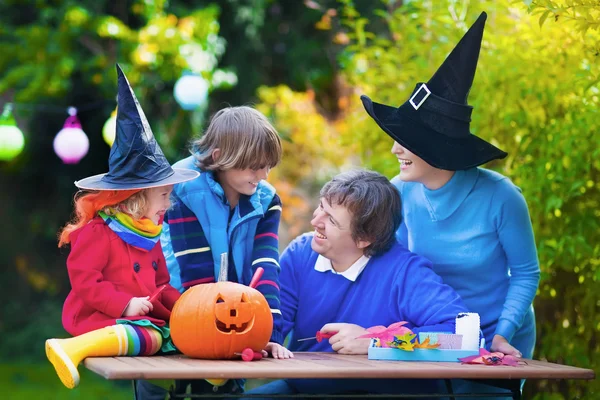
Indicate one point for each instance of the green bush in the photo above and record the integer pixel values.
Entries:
(536, 96)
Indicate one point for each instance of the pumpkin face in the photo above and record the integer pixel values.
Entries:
(234, 315)
(216, 320)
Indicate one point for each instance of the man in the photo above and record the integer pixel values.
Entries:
(351, 274)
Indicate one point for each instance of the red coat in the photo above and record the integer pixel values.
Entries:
(106, 273)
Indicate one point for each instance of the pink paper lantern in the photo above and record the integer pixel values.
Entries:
(71, 144)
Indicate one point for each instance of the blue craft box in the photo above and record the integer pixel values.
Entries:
(430, 355)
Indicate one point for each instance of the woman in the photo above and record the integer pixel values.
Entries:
(472, 223)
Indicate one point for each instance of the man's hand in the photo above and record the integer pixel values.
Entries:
(499, 343)
(277, 351)
(345, 340)
(138, 306)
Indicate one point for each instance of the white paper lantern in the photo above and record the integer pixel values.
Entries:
(190, 91)
(71, 144)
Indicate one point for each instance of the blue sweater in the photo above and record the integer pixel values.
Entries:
(395, 286)
(477, 232)
(200, 226)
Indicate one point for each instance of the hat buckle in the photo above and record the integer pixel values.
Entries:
(428, 92)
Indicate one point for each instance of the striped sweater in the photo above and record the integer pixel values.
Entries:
(193, 253)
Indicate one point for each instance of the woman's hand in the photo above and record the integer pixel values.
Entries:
(277, 351)
(345, 340)
(499, 343)
(138, 306)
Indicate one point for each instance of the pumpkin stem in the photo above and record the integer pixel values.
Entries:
(224, 268)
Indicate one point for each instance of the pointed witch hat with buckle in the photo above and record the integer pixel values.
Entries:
(434, 122)
(136, 160)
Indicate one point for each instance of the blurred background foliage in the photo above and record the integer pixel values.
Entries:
(304, 64)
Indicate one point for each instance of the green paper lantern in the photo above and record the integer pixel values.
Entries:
(110, 128)
(12, 140)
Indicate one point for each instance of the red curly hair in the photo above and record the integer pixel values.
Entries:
(87, 206)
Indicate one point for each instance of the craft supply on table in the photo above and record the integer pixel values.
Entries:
(320, 336)
(468, 325)
(156, 293)
(428, 346)
(250, 355)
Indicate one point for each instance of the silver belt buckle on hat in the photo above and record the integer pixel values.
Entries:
(424, 87)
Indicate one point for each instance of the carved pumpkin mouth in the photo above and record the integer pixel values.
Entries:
(221, 326)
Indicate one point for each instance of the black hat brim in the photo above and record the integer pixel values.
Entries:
(438, 150)
(96, 183)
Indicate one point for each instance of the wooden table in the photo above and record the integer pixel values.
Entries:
(325, 365)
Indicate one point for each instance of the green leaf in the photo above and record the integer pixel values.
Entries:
(544, 16)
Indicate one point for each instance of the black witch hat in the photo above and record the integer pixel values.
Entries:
(136, 160)
(434, 122)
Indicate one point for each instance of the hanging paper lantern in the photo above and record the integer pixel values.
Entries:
(11, 137)
(222, 79)
(110, 129)
(190, 91)
(71, 144)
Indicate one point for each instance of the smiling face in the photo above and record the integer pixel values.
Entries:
(415, 169)
(333, 235)
(233, 313)
(242, 181)
(158, 201)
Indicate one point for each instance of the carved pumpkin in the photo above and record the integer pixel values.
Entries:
(217, 320)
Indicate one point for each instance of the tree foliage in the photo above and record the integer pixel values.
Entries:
(51, 52)
(583, 14)
(61, 53)
(312, 148)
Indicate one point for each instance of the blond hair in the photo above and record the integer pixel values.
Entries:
(245, 137)
(135, 205)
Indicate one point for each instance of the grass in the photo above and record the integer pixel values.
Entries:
(39, 381)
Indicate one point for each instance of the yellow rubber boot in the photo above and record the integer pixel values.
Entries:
(66, 354)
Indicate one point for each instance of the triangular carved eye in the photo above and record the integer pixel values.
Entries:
(244, 298)
(220, 299)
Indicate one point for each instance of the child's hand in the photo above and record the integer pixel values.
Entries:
(277, 351)
(138, 306)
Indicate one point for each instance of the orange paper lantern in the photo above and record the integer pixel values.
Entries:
(217, 320)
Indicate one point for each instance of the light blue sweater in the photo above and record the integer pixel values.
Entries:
(477, 232)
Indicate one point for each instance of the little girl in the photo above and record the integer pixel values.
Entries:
(121, 299)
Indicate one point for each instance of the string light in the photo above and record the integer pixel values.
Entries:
(11, 137)
(191, 91)
(109, 130)
(71, 143)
